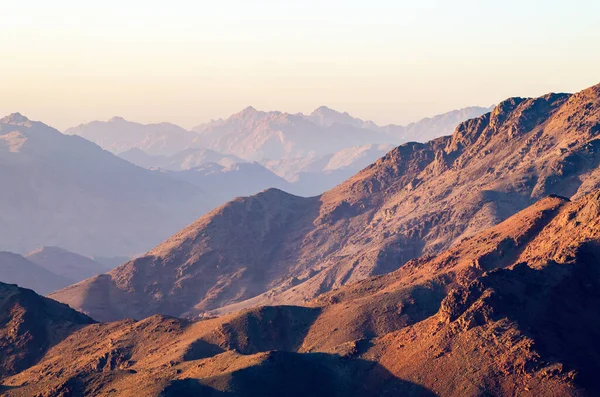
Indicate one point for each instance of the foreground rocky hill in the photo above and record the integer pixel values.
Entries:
(419, 199)
(508, 311)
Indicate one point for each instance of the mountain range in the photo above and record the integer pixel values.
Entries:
(119, 135)
(508, 311)
(258, 135)
(313, 152)
(60, 190)
(419, 199)
(466, 265)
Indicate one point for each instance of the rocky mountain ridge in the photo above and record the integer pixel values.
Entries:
(508, 311)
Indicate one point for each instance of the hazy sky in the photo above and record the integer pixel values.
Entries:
(71, 61)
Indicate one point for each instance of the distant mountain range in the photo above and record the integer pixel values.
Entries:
(56, 185)
(313, 152)
(61, 190)
(119, 135)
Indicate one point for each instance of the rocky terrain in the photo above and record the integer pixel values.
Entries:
(507, 311)
(420, 199)
(30, 325)
(65, 191)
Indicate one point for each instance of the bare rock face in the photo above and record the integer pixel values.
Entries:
(510, 310)
(419, 199)
(30, 325)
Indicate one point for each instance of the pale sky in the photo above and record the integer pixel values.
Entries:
(392, 61)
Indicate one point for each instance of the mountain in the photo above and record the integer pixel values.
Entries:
(434, 127)
(419, 199)
(184, 160)
(66, 264)
(311, 176)
(255, 135)
(15, 269)
(294, 146)
(326, 117)
(507, 311)
(60, 190)
(231, 181)
(119, 135)
(420, 131)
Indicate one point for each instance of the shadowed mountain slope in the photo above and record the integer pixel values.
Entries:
(30, 325)
(508, 311)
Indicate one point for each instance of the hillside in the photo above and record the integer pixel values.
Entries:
(419, 199)
(30, 325)
(15, 269)
(231, 181)
(255, 135)
(508, 311)
(60, 190)
(66, 264)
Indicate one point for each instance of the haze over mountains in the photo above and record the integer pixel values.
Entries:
(463, 266)
(285, 143)
(65, 191)
(417, 200)
(48, 269)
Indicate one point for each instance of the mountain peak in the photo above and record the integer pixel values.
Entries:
(325, 110)
(117, 119)
(48, 249)
(14, 118)
(249, 110)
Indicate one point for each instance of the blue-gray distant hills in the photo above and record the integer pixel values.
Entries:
(60, 190)
(313, 153)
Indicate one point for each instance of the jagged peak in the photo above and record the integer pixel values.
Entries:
(325, 109)
(14, 118)
(248, 110)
